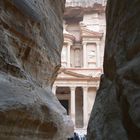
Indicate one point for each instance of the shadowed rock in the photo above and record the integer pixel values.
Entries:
(116, 113)
(31, 39)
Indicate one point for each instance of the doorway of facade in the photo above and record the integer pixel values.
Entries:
(65, 104)
(63, 95)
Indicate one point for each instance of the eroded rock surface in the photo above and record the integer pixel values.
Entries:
(116, 113)
(31, 38)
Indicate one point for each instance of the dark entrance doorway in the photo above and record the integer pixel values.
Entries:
(63, 95)
(65, 104)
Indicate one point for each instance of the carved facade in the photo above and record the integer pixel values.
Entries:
(81, 61)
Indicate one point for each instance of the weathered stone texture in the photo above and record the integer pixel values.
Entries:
(116, 113)
(31, 38)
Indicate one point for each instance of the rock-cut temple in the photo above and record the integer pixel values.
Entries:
(81, 59)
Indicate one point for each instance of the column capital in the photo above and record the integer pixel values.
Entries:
(84, 43)
(69, 44)
(73, 88)
(97, 43)
(85, 88)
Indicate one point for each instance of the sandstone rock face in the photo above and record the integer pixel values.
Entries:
(116, 113)
(31, 38)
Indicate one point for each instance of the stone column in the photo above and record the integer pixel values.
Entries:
(98, 55)
(73, 104)
(85, 112)
(68, 57)
(84, 55)
(54, 90)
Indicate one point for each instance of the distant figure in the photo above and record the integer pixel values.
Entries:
(76, 137)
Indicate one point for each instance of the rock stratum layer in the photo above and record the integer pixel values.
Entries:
(116, 113)
(31, 39)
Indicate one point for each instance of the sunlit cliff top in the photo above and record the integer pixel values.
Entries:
(84, 3)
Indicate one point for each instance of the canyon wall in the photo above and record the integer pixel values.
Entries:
(116, 112)
(31, 39)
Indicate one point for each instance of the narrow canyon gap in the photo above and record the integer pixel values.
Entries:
(116, 112)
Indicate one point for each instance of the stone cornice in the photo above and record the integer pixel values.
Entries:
(76, 76)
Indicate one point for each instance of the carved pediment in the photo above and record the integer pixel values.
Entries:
(89, 33)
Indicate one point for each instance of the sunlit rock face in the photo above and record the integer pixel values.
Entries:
(116, 112)
(31, 39)
(84, 3)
